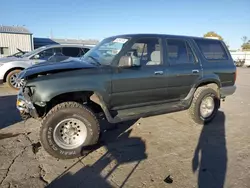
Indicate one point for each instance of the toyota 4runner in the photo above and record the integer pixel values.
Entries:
(125, 77)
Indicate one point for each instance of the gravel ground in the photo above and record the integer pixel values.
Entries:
(140, 153)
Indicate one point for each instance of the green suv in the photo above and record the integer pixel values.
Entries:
(125, 77)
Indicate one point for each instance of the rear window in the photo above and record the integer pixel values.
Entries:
(212, 49)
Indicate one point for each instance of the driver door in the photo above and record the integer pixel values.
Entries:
(144, 83)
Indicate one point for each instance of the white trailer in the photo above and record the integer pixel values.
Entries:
(241, 57)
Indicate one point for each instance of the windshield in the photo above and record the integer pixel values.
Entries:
(33, 52)
(105, 51)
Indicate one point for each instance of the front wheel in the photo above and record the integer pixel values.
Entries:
(67, 129)
(205, 105)
(12, 79)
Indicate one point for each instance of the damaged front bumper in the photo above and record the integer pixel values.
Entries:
(24, 105)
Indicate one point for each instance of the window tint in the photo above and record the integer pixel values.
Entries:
(145, 51)
(57, 51)
(71, 51)
(83, 51)
(45, 54)
(212, 49)
(179, 52)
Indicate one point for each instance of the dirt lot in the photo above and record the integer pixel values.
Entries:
(139, 153)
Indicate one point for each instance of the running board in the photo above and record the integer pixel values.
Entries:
(145, 111)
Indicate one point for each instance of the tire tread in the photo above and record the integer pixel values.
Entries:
(192, 108)
(59, 107)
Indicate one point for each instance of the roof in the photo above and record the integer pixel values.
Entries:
(65, 45)
(14, 29)
(158, 35)
(45, 41)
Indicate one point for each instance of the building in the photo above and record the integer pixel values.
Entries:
(213, 38)
(38, 42)
(13, 37)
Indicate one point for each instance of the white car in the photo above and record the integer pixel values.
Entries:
(11, 66)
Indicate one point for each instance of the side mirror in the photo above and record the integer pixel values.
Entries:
(37, 56)
(126, 61)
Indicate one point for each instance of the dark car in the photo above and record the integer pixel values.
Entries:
(125, 77)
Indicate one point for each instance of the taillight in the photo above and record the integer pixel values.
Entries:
(235, 75)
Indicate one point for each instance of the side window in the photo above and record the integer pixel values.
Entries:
(145, 51)
(71, 51)
(57, 51)
(212, 49)
(45, 54)
(83, 51)
(179, 52)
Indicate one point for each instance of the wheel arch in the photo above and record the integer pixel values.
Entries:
(213, 82)
(93, 99)
(7, 72)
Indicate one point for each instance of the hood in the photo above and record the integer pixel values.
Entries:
(50, 67)
(11, 58)
(8, 59)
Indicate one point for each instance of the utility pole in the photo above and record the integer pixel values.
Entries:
(51, 34)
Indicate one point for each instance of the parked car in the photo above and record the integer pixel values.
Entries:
(11, 66)
(136, 76)
(18, 54)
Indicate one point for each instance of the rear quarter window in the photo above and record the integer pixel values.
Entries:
(212, 49)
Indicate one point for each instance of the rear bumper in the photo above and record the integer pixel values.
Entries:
(226, 91)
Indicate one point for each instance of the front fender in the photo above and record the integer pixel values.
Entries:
(21, 64)
(49, 86)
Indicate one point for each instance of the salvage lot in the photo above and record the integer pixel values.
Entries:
(138, 153)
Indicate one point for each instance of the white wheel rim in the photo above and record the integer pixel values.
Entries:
(15, 82)
(207, 107)
(70, 133)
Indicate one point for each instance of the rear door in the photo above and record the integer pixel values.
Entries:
(184, 68)
(72, 51)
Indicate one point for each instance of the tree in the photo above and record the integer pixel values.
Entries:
(244, 39)
(245, 45)
(212, 34)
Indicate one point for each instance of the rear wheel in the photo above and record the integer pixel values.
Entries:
(205, 105)
(12, 80)
(67, 129)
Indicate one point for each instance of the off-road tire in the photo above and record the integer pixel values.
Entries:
(9, 76)
(194, 109)
(63, 111)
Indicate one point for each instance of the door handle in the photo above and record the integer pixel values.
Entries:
(195, 71)
(158, 72)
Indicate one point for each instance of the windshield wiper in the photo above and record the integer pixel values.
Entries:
(96, 61)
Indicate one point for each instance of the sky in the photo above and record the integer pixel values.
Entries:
(97, 19)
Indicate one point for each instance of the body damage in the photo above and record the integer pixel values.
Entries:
(59, 80)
